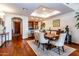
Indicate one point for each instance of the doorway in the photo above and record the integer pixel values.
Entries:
(16, 28)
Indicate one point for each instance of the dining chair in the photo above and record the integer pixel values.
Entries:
(42, 40)
(60, 42)
(36, 36)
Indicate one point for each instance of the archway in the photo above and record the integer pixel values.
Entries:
(16, 28)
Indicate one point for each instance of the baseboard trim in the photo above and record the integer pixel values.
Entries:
(74, 43)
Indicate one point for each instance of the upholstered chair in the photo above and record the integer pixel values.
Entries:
(42, 40)
(36, 35)
(60, 42)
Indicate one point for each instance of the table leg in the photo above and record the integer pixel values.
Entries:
(49, 45)
(5, 40)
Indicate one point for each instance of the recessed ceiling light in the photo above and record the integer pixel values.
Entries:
(44, 9)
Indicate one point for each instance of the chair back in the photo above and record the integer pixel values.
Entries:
(36, 31)
(61, 39)
(41, 38)
(36, 35)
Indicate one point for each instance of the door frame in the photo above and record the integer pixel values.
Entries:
(16, 19)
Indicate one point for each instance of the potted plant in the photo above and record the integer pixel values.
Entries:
(77, 19)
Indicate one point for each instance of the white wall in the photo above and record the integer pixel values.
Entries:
(65, 19)
(8, 24)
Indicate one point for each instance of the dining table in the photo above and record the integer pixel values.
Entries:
(51, 37)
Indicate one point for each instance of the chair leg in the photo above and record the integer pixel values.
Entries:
(63, 48)
(59, 50)
(43, 47)
(38, 45)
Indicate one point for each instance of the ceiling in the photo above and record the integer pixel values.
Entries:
(29, 8)
(44, 12)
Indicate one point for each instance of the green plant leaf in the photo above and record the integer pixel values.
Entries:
(77, 16)
(77, 12)
(77, 25)
(77, 19)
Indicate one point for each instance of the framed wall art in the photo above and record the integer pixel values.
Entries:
(56, 23)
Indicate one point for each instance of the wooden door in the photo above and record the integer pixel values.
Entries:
(17, 27)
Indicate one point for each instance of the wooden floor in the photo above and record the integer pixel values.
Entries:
(75, 53)
(19, 47)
